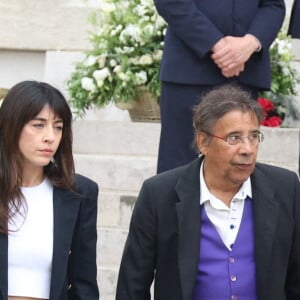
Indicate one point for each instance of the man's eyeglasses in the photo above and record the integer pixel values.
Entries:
(235, 139)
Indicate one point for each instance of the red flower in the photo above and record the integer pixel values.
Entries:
(273, 121)
(271, 117)
(266, 104)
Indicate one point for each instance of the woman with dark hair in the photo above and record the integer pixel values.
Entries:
(47, 213)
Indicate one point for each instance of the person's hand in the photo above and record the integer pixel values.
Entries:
(233, 71)
(231, 53)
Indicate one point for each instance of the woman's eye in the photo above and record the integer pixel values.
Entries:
(38, 125)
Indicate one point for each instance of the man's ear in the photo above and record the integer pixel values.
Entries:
(202, 142)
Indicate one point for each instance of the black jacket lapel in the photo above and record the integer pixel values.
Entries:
(265, 218)
(188, 211)
(66, 207)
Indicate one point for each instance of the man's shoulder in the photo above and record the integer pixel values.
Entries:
(170, 177)
(274, 173)
(166, 177)
(267, 168)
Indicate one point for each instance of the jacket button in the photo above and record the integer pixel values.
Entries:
(69, 286)
(70, 251)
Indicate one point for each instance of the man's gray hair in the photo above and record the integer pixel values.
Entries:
(219, 101)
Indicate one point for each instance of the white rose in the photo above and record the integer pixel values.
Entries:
(141, 77)
(131, 32)
(101, 74)
(88, 84)
(157, 55)
(101, 61)
(145, 59)
(90, 60)
(117, 69)
(134, 60)
(160, 22)
(147, 3)
(100, 83)
(149, 29)
(119, 27)
(112, 63)
(140, 10)
(124, 50)
(123, 76)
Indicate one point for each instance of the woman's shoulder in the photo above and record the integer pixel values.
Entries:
(83, 179)
(82, 182)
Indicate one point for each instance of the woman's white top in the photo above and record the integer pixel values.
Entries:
(30, 246)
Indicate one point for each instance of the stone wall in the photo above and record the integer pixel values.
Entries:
(45, 25)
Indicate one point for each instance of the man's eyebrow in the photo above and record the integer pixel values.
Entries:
(240, 132)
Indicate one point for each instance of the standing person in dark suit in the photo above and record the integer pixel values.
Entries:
(209, 43)
(222, 227)
(294, 26)
(47, 213)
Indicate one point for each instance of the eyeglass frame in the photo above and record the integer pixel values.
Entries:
(259, 139)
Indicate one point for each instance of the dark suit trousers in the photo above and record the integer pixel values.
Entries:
(177, 134)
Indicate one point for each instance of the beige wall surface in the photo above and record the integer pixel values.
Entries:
(49, 24)
(45, 24)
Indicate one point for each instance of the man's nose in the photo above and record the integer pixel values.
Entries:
(246, 145)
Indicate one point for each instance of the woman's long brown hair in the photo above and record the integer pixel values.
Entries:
(22, 103)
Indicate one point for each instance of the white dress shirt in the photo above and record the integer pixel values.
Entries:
(226, 219)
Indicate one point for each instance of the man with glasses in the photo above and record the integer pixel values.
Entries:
(222, 227)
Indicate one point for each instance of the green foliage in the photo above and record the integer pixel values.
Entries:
(127, 42)
(284, 77)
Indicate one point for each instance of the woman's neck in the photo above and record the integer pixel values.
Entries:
(32, 179)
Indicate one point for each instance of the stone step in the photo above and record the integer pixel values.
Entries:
(110, 246)
(115, 208)
(124, 138)
(107, 282)
(124, 173)
(280, 147)
(132, 148)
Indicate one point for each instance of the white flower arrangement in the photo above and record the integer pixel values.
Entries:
(127, 42)
(284, 77)
(127, 50)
